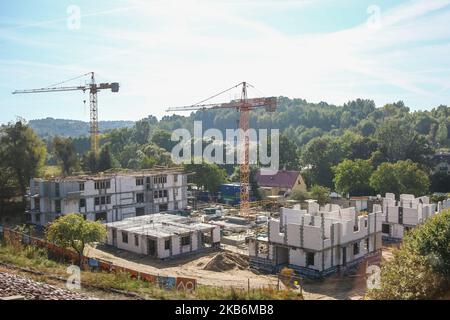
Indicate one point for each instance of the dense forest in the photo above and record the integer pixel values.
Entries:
(353, 149)
(50, 127)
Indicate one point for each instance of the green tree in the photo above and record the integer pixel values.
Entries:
(89, 162)
(162, 138)
(442, 133)
(66, 155)
(288, 154)
(141, 132)
(8, 187)
(299, 195)
(319, 155)
(352, 177)
(421, 268)
(23, 152)
(73, 231)
(208, 176)
(321, 194)
(400, 177)
(105, 159)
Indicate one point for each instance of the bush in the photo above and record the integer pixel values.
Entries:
(421, 268)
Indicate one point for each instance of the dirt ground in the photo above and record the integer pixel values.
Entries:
(191, 266)
(203, 267)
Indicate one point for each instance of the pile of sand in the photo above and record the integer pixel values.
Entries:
(225, 261)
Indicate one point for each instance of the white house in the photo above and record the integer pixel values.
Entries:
(317, 241)
(406, 213)
(107, 197)
(162, 236)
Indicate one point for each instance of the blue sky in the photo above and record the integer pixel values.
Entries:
(173, 53)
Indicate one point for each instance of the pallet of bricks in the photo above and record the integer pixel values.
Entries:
(13, 237)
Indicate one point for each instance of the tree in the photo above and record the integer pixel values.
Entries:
(23, 152)
(394, 137)
(162, 138)
(105, 159)
(421, 268)
(442, 133)
(89, 162)
(299, 195)
(352, 177)
(141, 132)
(355, 146)
(321, 194)
(319, 155)
(73, 231)
(208, 176)
(400, 177)
(66, 155)
(288, 154)
(440, 182)
(8, 187)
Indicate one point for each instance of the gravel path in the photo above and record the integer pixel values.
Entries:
(13, 285)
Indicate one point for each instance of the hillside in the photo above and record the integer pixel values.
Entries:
(72, 128)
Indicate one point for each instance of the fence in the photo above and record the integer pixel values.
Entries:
(64, 254)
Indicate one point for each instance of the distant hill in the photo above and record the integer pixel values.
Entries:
(50, 127)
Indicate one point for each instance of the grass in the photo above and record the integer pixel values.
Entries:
(38, 260)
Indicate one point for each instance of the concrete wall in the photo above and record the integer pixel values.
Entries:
(122, 192)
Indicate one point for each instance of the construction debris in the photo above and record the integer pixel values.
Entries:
(225, 261)
(13, 285)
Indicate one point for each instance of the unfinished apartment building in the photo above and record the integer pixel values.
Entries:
(317, 241)
(406, 213)
(107, 197)
(162, 236)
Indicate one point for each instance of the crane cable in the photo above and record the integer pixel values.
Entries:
(218, 94)
(59, 83)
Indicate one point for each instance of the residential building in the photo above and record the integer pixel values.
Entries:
(108, 197)
(318, 241)
(162, 236)
(280, 184)
(406, 213)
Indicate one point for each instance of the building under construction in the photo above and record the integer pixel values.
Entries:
(108, 197)
(162, 236)
(317, 241)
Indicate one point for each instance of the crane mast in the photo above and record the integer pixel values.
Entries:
(93, 89)
(243, 106)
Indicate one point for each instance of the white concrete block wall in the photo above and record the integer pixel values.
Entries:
(293, 234)
(194, 240)
(312, 237)
(274, 231)
(297, 257)
(216, 234)
(176, 245)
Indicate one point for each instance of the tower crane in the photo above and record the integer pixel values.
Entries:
(93, 89)
(243, 105)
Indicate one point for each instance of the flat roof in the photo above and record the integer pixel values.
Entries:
(160, 225)
(109, 175)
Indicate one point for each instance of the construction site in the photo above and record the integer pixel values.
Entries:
(159, 225)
